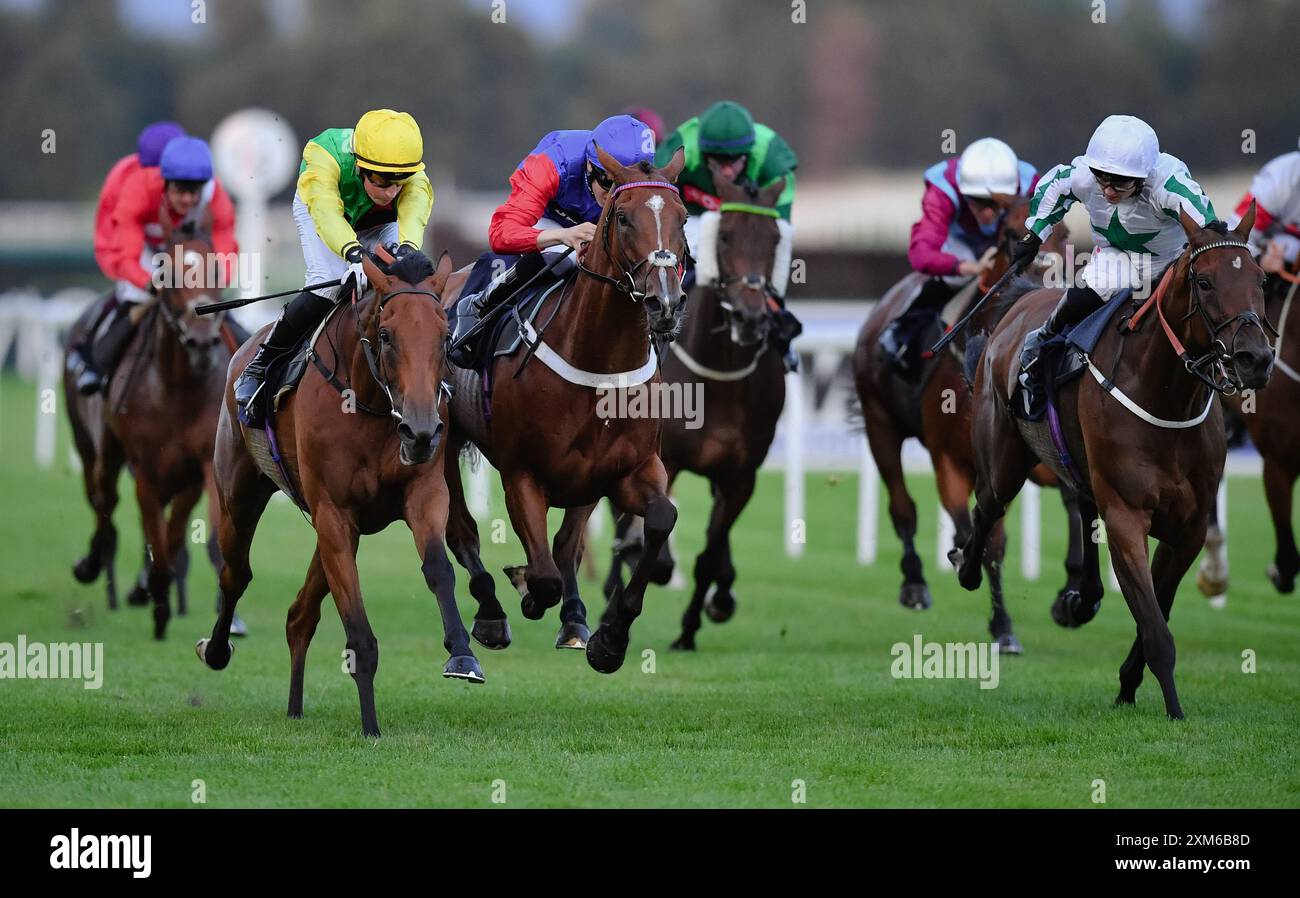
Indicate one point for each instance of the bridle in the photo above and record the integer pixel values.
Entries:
(657, 259)
(761, 284)
(1219, 352)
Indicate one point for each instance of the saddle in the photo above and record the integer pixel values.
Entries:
(504, 335)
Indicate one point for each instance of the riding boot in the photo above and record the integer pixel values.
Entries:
(471, 310)
(299, 316)
(80, 355)
(1075, 305)
(899, 337)
(107, 351)
(785, 327)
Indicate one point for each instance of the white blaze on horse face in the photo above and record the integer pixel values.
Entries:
(656, 205)
(1236, 263)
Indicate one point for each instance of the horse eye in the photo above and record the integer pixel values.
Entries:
(1204, 283)
(622, 217)
(385, 337)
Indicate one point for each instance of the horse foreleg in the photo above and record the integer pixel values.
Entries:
(1080, 600)
(887, 449)
(426, 515)
(178, 524)
(102, 472)
(1279, 481)
(643, 492)
(491, 628)
(567, 550)
(1002, 464)
(337, 535)
(622, 526)
(300, 627)
(527, 506)
(158, 545)
(713, 567)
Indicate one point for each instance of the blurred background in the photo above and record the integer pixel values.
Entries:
(863, 91)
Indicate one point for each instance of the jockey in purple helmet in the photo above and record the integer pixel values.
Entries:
(556, 196)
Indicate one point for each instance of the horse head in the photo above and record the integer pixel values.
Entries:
(642, 233)
(190, 275)
(404, 338)
(1226, 287)
(746, 245)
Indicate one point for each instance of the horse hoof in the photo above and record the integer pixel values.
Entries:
(531, 609)
(1211, 586)
(719, 606)
(87, 569)
(915, 596)
(573, 636)
(464, 667)
(662, 573)
(683, 643)
(1009, 645)
(1284, 585)
(602, 654)
(1071, 610)
(1123, 700)
(491, 634)
(238, 627)
(217, 661)
(970, 580)
(138, 596)
(1219, 602)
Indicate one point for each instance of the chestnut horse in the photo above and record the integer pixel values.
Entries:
(1148, 456)
(159, 415)
(938, 413)
(547, 434)
(354, 473)
(1269, 417)
(723, 355)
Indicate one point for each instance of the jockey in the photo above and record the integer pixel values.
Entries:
(1275, 239)
(153, 203)
(556, 196)
(358, 188)
(747, 152)
(149, 148)
(1133, 193)
(965, 202)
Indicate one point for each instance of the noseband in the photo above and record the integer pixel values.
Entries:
(1219, 352)
(660, 258)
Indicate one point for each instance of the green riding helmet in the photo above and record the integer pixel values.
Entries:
(726, 129)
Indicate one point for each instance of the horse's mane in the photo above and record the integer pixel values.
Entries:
(411, 267)
(1002, 303)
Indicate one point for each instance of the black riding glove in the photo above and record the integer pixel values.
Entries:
(353, 253)
(1026, 251)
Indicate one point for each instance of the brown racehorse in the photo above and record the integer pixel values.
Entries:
(1269, 417)
(547, 434)
(723, 354)
(361, 450)
(1153, 474)
(941, 420)
(159, 415)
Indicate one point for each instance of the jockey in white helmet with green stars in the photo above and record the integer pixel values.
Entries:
(1133, 194)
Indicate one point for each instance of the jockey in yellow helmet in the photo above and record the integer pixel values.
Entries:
(358, 188)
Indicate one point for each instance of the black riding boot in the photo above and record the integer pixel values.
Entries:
(899, 337)
(471, 310)
(785, 327)
(1075, 305)
(100, 360)
(300, 315)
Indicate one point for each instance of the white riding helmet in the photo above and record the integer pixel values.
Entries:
(1123, 145)
(986, 167)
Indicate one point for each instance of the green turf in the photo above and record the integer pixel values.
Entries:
(796, 687)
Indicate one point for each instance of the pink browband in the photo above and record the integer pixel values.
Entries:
(631, 184)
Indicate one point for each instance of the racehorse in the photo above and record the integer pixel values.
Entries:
(1148, 456)
(159, 415)
(938, 413)
(382, 355)
(723, 354)
(545, 422)
(1269, 418)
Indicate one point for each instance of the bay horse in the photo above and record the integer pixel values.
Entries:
(546, 432)
(938, 413)
(1269, 417)
(158, 414)
(1147, 457)
(361, 442)
(723, 355)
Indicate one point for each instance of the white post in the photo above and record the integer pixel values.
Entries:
(596, 523)
(868, 505)
(794, 474)
(1110, 565)
(47, 385)
(947, 532)
(476, 495)
(1031, 532)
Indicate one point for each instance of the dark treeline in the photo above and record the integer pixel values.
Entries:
(856, 84)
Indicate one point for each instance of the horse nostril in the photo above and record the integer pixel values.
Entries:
(406, 433)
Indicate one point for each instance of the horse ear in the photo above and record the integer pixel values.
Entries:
(374, 275)
(674, 167)
(771, 193)
(1247, 223)
(615, 169)
(1190, 227)
(441, 272)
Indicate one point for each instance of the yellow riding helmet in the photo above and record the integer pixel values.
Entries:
(385, 140)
